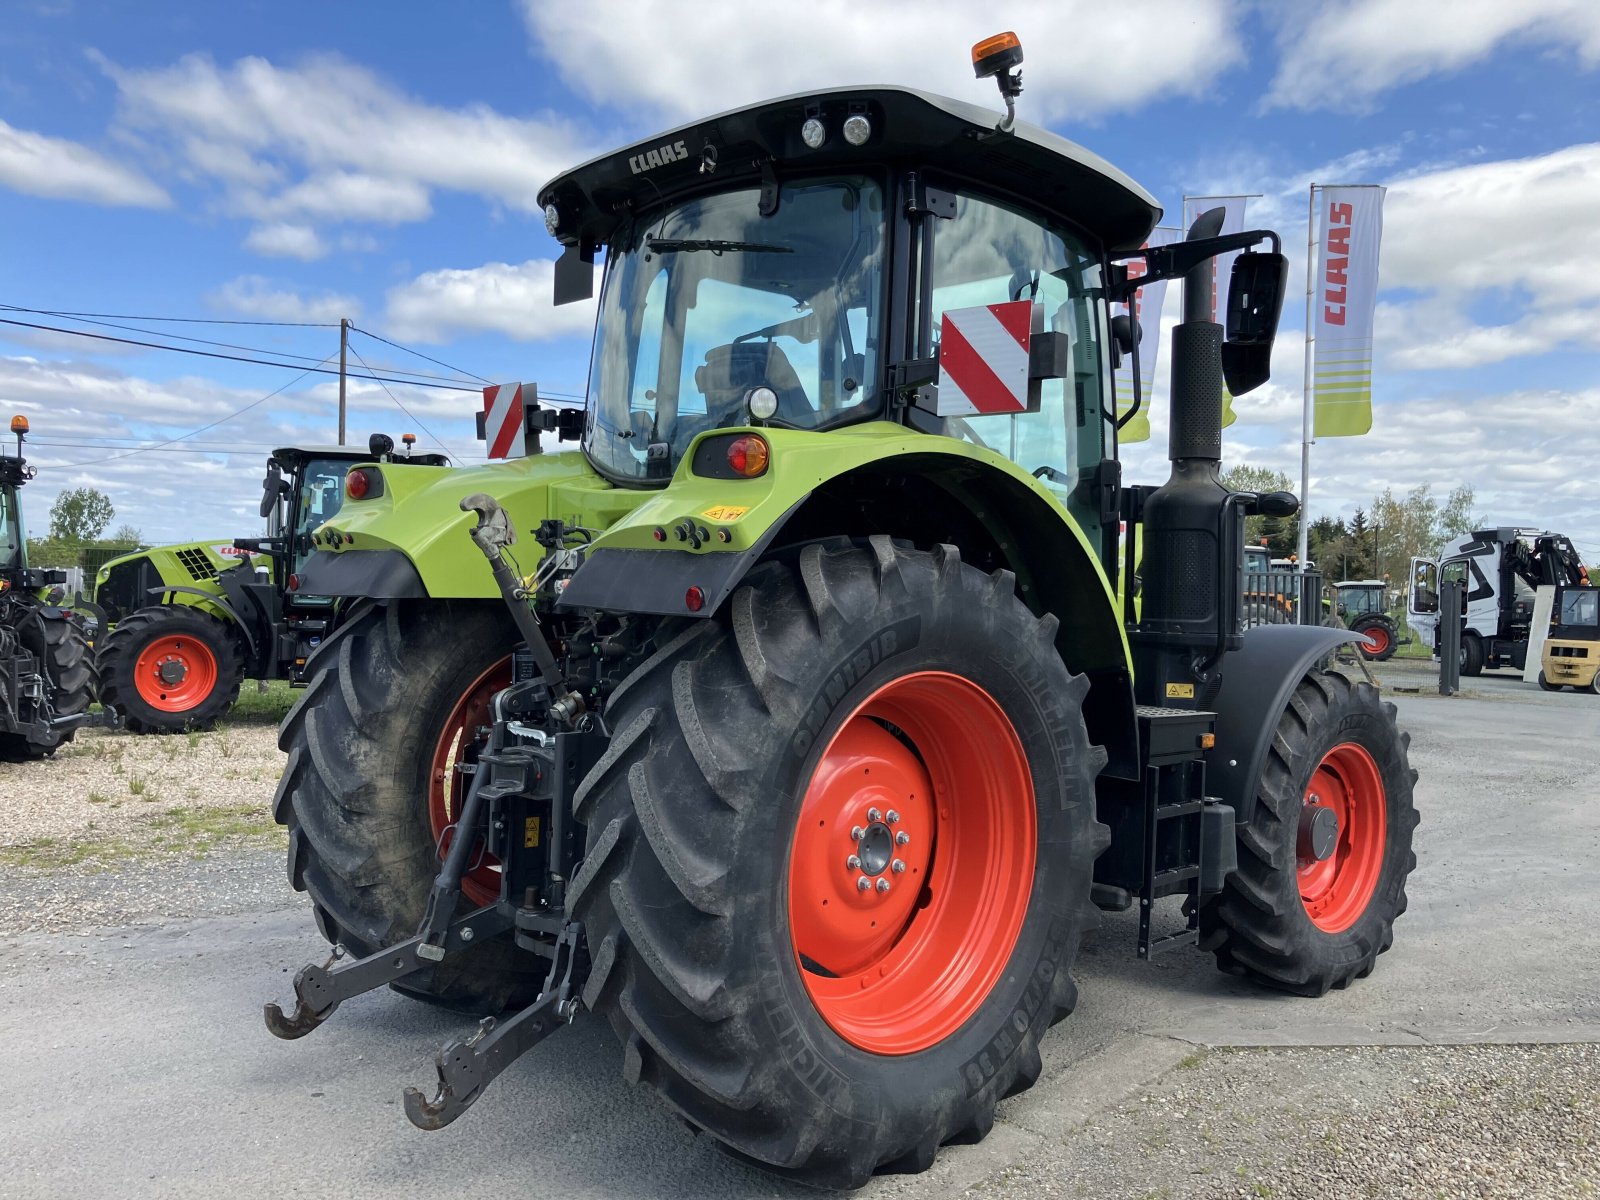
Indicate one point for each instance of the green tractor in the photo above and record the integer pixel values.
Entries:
(189, 623)
(46, 669)
(1364, 606)
(807, 734)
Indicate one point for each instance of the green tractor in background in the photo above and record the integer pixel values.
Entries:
(794, 725)
(188, 623)
(46, 668)
(1363, 604)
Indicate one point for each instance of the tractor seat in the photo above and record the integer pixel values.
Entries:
(732, 370)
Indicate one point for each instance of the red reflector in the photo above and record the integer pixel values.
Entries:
(294, 583)
(694, 599)
(659, 534)
(356, 484)
(748, 455)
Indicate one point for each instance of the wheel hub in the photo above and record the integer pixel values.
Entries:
(1319, 832)
(876, 849)
(171, 671)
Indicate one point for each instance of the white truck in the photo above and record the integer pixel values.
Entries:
(1501, 568)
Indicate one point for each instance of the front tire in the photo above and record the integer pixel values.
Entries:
(1316, 895)
(1545, 685)
(170, 668)
(62, 648)
(815, 1025)
(364, 784)
(1471, 654)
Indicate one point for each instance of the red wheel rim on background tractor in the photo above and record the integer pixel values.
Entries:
(1376, 639)
(175, 673)
(447, 787)
(1343, 830)
(896, 958)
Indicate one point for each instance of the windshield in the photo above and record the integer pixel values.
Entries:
(1361, 599)
(10, 530)
(1580, 608)
(714, 300)
(321, 492)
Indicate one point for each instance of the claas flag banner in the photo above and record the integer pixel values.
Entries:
(1351, 221)
(1147, 305)
(1221, 266)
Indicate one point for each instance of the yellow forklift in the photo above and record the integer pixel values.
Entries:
(1572, 651)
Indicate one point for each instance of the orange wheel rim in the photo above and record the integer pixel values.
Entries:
(175, 673)
(447, 787)
(911, 869)
(1336, 889)
(1377, 639)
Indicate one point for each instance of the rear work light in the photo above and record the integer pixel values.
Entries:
(749, 455)
(362, 483)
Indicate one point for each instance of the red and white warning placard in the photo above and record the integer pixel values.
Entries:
(983, 359)
(505, 426)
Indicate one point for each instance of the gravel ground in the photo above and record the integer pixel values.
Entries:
(118, 829)
(1385, 1123)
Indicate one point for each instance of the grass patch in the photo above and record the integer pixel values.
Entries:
(189, 832)
(255, 707)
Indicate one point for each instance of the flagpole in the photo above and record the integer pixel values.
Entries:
(1305, 387)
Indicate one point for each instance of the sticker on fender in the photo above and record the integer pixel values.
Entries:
(725, 512)
(1180, 691)
(530, 833)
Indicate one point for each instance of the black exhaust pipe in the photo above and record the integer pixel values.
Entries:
(1193, 527)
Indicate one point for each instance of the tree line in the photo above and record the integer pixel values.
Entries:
(78, 519)
(1378, 541)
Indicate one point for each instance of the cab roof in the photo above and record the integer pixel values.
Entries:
(290, 455)
(909, 129)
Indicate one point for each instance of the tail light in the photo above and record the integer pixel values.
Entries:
(363, 483)
(749, 455)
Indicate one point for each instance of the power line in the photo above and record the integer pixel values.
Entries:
(398, 405)
(106, 337)
(419, 354)
(182, 436)
(50, 312)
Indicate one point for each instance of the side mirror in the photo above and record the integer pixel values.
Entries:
(1125, 332)
(1255, 301)
(271, 489)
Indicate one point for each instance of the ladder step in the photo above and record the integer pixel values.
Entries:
(1184, 808)
(1171, 941)
(1176, 875)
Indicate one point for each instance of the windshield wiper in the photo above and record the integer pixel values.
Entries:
(690, 245)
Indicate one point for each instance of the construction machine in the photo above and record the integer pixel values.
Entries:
(188, 623)
(792, 724)
(46, 671)
(1571, 654)
(1500, 570)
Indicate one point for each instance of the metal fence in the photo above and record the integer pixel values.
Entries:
(1285, 598)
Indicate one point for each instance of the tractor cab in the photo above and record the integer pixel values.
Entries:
(14, 569)
(1361, 597)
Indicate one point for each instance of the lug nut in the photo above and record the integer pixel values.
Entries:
(892, 817)
(853, 862)
(902, 838)
(863, 883)
(857, 833)
(874, 815)
(883, 884)
(898, 867)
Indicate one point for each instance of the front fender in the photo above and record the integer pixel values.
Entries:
(1257, 681)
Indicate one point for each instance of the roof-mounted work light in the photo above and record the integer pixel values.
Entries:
(1000, 56)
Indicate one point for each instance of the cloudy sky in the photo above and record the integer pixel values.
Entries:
(298, 162)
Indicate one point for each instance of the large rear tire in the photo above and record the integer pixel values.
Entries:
(1471, 654)
(363, 783)
(170, 668)
(769, 970)
(1336, 783)
(57, 639)
(1378, 639)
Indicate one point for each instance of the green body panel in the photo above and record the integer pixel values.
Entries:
(419, 511)
(185, 565)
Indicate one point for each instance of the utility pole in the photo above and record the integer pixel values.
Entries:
(344, 342)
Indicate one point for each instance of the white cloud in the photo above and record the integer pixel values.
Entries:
(349, 143)
(283, 240)
(1342, 55)
(60, 169)
(514, 300)
(1086, 58)
(255, 296)
(353, 196)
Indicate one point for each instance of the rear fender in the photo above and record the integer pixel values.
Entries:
(1257, 681)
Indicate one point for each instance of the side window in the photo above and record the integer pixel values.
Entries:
(989, 254)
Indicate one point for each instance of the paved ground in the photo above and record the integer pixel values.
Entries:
(137, 1064)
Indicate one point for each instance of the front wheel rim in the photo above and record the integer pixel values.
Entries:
(1336, 890)
(175, 673)
(447, 787)
(912, 863)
